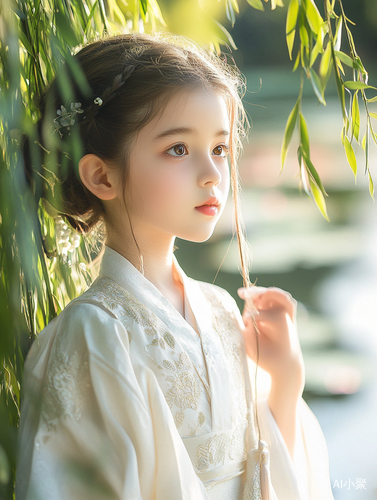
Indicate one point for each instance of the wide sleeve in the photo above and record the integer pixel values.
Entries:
(94, 423)
(307, 478)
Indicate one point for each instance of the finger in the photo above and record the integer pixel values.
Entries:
(248, 314)
(268, 321)
(275, 297)
(249, 295)
(250, 292)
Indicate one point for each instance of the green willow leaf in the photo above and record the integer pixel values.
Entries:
(304, 135)
(340, 66)
(257, 4)
(65, 29)
(304, 53)
(352, 85)
(355, 116)
(144, 7)
(297, 62)
(318, 48)
(371, 186)
(347, 60)
(289, 128)
(276, 3)
(373, 99)
(373, 115)
(318, 198)
(116, 13)
(91, 14)
(290, 28)
(313, 16)
(227, 34)
(366, 148)
(360, 65)
(363, 141)
(349, 36)
(338, 35)
(317, 87)
(313, 172)
(155, 11)
(235, 6)
(351, 157)
(304, 37)
(324, 67)
(230, 12)
(303, 172)
(25, 42)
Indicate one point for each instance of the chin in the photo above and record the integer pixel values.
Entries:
(198, 236)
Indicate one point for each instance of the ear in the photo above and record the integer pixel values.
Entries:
(98, 177)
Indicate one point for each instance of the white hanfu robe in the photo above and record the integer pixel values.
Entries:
(124, 400)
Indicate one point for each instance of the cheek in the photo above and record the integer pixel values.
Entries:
(163, 198)
(169, 184)
(158, 189)
(225, 181)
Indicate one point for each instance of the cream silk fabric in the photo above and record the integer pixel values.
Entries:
(124, 400)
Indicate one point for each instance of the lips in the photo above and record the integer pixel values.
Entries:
(209, 207)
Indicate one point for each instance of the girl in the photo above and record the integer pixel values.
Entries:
(140, 388)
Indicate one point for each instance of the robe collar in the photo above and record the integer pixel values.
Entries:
(120, 270)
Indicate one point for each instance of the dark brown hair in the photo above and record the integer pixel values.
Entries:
(134, 76)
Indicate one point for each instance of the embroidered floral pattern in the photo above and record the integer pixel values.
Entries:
(194, 428)
(169, 339)
(178, 419)
(212, 452)
(185, 387)
(184, 392)
(122, 303)
(64, 393)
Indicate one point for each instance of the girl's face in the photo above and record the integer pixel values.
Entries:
(179, 176)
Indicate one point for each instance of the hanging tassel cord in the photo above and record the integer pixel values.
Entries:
(265, 480)
(256, 329)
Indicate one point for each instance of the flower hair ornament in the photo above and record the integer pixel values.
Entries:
(67, 118)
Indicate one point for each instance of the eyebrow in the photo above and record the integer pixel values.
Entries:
(186, 130)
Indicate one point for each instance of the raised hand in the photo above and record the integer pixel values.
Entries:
(270, 313)
(273, 312)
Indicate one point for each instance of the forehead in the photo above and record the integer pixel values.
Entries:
(201, 110)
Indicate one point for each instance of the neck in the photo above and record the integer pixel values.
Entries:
(154, 260)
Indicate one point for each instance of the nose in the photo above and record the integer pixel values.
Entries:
(209, 171)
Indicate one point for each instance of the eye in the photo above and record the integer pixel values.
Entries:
(178, 150)
(221, 150)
